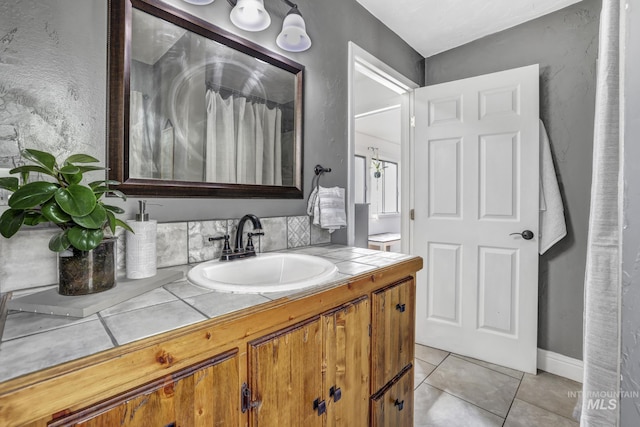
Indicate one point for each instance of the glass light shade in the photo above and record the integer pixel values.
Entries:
(293, 37)
(250, 15)
(199, 2)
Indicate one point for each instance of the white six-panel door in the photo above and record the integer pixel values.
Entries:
(476, 181)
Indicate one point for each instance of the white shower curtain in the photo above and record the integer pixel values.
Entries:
(603, 272)
(220, 157)
(243, 141)
(141, 163)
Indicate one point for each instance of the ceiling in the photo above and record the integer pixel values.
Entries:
(434, 26)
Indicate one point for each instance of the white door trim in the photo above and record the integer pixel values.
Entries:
(359, 56)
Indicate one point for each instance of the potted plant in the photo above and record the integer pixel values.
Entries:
(86, 254)
(378, 168)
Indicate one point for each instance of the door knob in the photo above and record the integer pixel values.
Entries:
(526, 234)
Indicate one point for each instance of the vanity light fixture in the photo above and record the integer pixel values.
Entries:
(251, 15)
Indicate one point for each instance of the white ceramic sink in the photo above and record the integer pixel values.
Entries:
(263, 273)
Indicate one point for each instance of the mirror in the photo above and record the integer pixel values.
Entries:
(195, 111)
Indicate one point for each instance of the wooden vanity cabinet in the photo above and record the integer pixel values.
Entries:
(341, 356)
(314, 373)
(207, 394)
(392, 353)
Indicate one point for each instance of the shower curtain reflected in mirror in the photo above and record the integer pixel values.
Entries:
(243, 140)
(140, 150)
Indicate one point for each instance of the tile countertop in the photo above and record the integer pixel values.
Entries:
(32, 342)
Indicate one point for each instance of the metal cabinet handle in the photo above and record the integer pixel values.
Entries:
(399, 404)
(336, 393)
(320, 406)
(400, 307)
(526, 234)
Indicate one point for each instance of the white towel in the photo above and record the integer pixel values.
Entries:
(326, 205)
(552, 223)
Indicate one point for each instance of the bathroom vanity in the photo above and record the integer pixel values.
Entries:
(340, 354)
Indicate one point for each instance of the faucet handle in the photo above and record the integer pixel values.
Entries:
(226, 248)
(250, 247)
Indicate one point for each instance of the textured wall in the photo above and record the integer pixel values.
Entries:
(52, 77)
(630, 357)
(53, 86)
(565, 44)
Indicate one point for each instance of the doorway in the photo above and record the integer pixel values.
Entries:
(379, 110)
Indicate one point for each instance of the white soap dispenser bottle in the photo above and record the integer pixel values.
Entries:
(141, 245)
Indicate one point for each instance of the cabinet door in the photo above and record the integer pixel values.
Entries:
(393, 407)
(393, 323)
(207, 394)
(346, 355)
(286, 377)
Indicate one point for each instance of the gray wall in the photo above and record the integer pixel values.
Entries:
(565, 44)
(53, 86)
(630, 357)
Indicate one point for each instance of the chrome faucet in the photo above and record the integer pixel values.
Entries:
(239, 251)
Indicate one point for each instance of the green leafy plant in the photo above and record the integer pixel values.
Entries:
(76, 208)
(378, 167)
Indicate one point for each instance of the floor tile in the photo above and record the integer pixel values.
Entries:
(430, 354)
(550, 392)
(421, 371)
(523, 414)
(154, 297)
(503, 370)
(435, 408)
(483, 387)
(137, 324)
(40, 351)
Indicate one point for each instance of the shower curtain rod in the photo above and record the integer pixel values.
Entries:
(225, 91)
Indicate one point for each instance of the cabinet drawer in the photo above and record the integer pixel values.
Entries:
(392, 338)
(393, 406)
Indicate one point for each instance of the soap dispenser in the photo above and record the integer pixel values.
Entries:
(141, 245)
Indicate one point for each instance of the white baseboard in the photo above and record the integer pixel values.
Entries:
(560, 365)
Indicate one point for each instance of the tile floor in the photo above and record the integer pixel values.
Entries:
(453, 390)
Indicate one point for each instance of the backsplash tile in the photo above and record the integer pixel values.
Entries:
(172, 244)
(200, 248)
(121, 254)
(298, 231)
(26, 261)
(275, 234)
(178, 243)
(319, 235)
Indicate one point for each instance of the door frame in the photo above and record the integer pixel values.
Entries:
(359, 56)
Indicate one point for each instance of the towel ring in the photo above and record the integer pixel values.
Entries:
(319, 171)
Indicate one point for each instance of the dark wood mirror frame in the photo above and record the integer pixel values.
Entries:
(120, 18)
